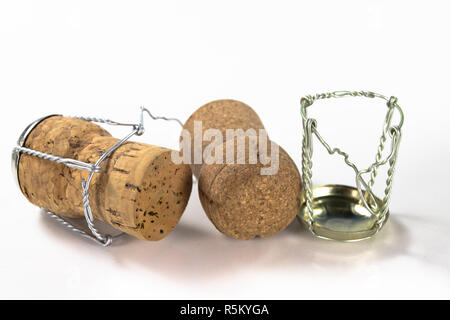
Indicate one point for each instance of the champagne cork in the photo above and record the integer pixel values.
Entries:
(238, 199)
(139, 190)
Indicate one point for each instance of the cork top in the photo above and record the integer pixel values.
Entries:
(221, 115)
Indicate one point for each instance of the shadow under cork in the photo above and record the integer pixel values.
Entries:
(196, 252)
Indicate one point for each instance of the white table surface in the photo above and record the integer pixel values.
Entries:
(107, 58)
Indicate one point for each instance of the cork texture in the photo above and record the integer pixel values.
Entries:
(244, 204)
(240, 201)
(139, 190)
(222, 115)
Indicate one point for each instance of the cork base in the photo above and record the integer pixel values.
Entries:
(160, 197)
(244, 204)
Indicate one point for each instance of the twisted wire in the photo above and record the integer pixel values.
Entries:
(389, 180)
(73, 228)
(68, 162)
(104, 239)
(38, 154)
(309, 127)
(143, 109)
(307, 173)
(334, 150)
(386, 127)
(102, 120)
(373, 174)
(310, 99)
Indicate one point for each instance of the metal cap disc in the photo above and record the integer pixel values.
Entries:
(339, 214)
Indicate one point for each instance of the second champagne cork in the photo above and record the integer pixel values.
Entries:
(240, 201)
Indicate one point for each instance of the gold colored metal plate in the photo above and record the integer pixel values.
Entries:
(339, 214)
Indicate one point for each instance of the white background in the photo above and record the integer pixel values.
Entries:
(107, 58)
